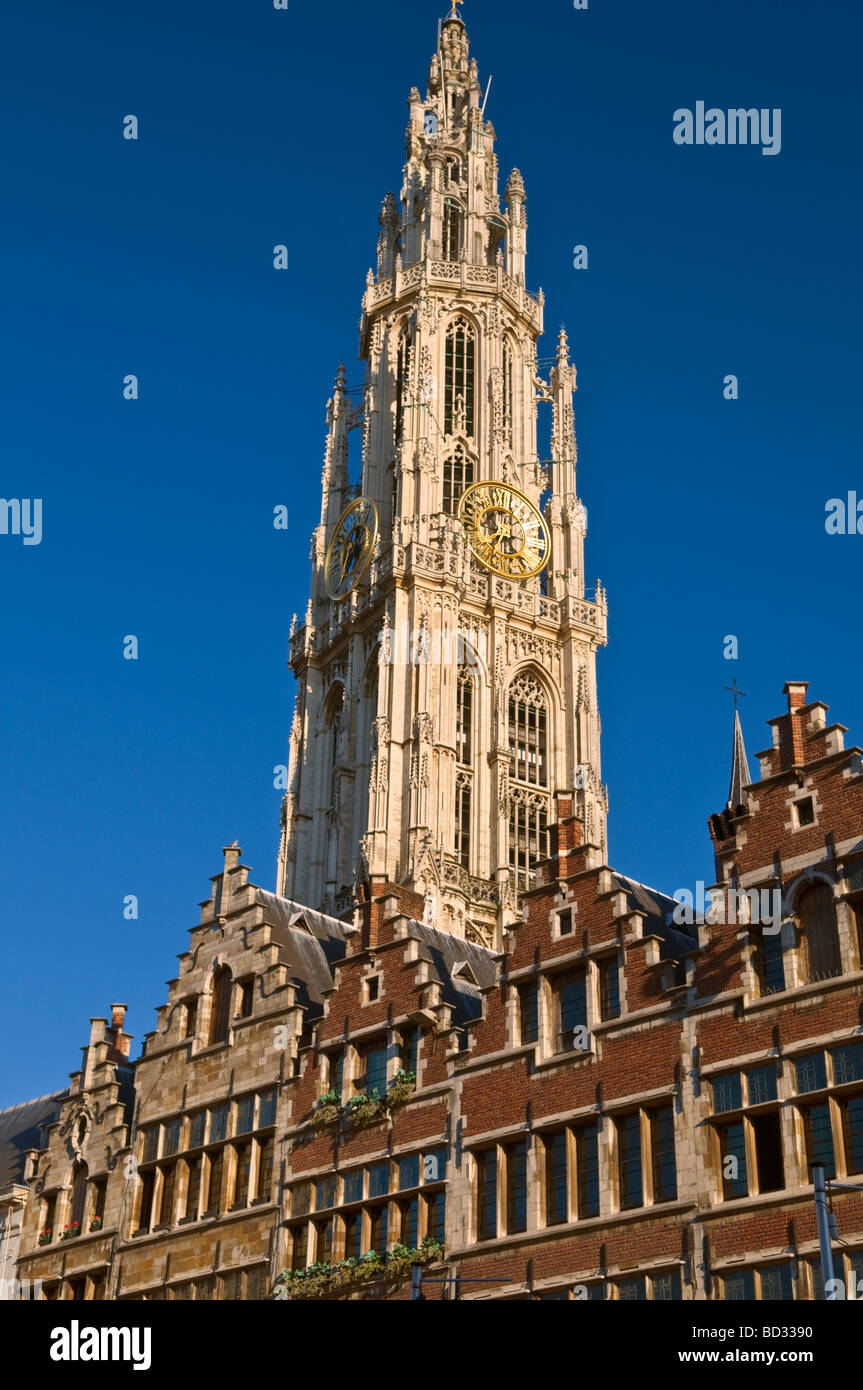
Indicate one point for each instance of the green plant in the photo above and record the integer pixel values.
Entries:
(319, 1280)
(365, 1108)
(327, 1108)
(401, 1086)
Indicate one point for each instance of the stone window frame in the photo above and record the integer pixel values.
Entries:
(366, 1205)
(609, 1153)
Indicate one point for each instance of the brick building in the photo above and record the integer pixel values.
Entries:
(455, 1037)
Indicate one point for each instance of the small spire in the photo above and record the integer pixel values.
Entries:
(740, 777)
(454, 14)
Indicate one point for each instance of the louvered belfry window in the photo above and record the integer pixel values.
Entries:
(460, 368)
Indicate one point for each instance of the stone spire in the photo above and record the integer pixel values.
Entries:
(740, 777)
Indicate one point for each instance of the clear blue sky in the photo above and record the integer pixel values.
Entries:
(259, 127)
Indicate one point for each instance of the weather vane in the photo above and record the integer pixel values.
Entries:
(732, 690)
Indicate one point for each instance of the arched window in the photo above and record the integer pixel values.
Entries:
(528, 835)
(402, 366)
(220, 1013)
(452, 224)
(335, 730)
(459, 378)
(527, 726)
(462, 818)
(507, 394)
(457, 475)
(528, 731)
(816, 913)
(464, 719)
(79, 1195)
(430, 123)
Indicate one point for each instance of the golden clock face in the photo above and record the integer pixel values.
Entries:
(350, 549)
(505, 531)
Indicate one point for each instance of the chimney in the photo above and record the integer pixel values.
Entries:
(118, 1016)
(796, 692)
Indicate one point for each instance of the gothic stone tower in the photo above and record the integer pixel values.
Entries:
(446, 665)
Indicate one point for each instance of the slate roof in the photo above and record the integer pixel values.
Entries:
(19, 1131)
(449, 957)
(659, 907)
(310, 943)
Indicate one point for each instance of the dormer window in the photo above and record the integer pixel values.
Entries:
(804, 812)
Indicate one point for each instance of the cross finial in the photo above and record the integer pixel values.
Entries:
(454, 14)
(733, 690)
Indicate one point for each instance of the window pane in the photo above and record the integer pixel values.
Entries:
(409, 1217)
(409, 1172)
(852, 1120)
(776, 1284)
(354, 1186)
(151, 1144)
(374, 1077)
(300, 1251)
(171, 1138)
(762, 1084)
(516, 1187)
(301, 1199)
(732, 1158)
(811, 1072)
(740, 1287)
(244, 1165)
(631, 1291)
(267, 1109)
(245, 1114)
(528, 997)
(664, 1169)
(410, 1049)
(434, 1165)
(435, 1215)
(214, 1186)
(629, 1142)
(218, 1123)
(727, 1093)
(324, 1241)
(196, 1129)
(771, 964)
(487, 1194)
(848, 1063)
(325, 1193)
(587, 1148)
(379, 1179)
(819, 1138)
(556, 1206)
(193, 1191)
(378, 1236)
(353, 1236)
(265, 1171)
(572, 1008)
(609, 990)
(666, 1287)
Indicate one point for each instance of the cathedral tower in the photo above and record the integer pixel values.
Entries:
(446, 664)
